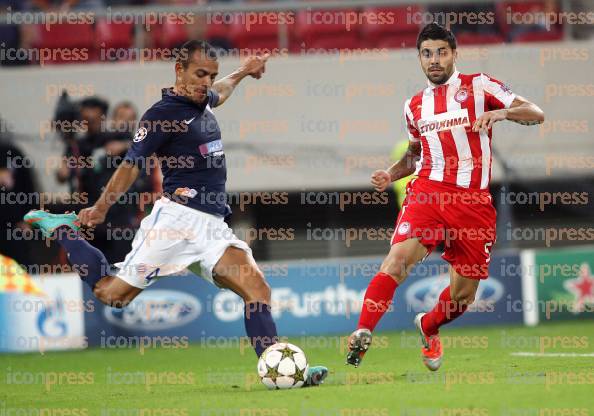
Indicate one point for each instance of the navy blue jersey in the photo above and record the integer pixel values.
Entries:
(186, 138)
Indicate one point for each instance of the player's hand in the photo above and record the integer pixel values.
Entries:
(380, 179)
(92, 216)
(486, 121)
(255, 65)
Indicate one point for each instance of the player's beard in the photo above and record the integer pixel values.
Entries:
(197, 95)
(442, 78)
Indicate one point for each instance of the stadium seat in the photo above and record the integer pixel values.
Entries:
(330, 33)
(469, 38)
(168, 35)
(400, 34)
(396, 42)
(518, 32)
(261, 35)
(217, 30)
(539, 36)
(64, 39)
(114, 35)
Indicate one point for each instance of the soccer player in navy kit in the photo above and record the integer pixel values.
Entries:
(186, 226)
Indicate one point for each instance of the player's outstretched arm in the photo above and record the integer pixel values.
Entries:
(380, 179)
(253, 66)
(120, 182)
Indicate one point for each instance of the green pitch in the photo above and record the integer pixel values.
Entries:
(479, 377)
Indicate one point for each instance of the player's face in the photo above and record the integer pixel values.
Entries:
(437, 60)
(194, 81)
(124, 119)
(93, 117)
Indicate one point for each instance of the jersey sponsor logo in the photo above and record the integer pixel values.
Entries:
(214, 148)
(189, 192)
(140, 135)
(189, 121)
(444, 121)
(461, 95)
(423, 294)
(156, 310)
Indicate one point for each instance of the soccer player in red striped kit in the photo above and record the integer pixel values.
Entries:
(449, 129)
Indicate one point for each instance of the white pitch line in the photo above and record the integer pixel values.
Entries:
(551, 354)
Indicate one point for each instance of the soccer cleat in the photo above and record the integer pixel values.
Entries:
(47, 222)
(315, 376)
(431, 350)
(358, 343)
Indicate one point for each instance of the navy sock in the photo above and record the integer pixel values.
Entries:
(88, 261)
(259, 326)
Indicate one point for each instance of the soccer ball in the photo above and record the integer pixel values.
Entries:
(283, 366)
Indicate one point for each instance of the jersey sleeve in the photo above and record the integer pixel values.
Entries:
(497, 94)
(153, 132)
(213, 98)
(413, 133)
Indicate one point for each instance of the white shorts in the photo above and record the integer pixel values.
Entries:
(174, 237)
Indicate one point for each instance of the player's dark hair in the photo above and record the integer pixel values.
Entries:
(95, 102)
(187, 50)
(123, 104)
(435, 31)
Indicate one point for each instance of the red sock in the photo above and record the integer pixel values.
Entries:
(378, 300)
(445, 311)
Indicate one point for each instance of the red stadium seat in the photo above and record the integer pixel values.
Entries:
(217, 30)
(263, 34)
(524, 31)
(114, 35)
(395, 42)
(168, 35)
(469, 38)
(396, 32)
(324, 29)
(539, 36)
(67, 43)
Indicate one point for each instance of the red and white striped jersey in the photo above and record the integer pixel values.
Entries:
(441, 118)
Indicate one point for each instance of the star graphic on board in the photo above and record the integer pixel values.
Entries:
(299, 375)
(582, 288)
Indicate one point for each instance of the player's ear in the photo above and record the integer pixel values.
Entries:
(179, 68)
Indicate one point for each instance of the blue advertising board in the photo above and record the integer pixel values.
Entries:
(39, 323)
(308, 297)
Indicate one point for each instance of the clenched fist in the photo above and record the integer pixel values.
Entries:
(91, 216)
(255, 66)
(380, 179)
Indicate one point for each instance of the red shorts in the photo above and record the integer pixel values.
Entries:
(463, 219)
